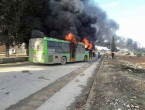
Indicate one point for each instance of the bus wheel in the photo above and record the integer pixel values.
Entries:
(85, 58)
(63, 60)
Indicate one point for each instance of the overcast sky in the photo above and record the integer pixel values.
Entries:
(129, 14)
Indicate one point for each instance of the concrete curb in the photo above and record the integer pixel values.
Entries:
(13, 60)
(88, 103)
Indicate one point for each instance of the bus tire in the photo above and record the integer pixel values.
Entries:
(63, 60)
(85, 58)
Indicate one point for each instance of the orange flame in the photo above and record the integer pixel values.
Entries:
(91, 46)
(87, 44)
(70, 37)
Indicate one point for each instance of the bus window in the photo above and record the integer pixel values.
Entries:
(59, 44)
(52, 44)
(67, 48)
(56, 44)
(78, 49)
(51, 47)
(81, 49)
(48, 43)
(59, 47)
(63, 48)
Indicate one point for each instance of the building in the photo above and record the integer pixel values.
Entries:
(21, 49)
(2, 48)
(18, 50)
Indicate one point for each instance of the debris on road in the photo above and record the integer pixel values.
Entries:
(2, 88)
(43, 78)
(14, 76)
(82, 74)
(7, 93)
(77, 80)
(25, 71)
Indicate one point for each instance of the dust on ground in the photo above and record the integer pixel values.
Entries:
(133, 59)
(118, 86)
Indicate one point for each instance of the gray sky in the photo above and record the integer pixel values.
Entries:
(129, 14)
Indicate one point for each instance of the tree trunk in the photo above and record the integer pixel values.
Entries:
(7, 50)
(27, 49)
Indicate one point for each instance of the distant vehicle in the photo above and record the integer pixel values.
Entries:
(49, 51)
(98, 55)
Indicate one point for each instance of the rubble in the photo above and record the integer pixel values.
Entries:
(7, 93)
(131, 67)
(128, 106)
(137, 107)
(82, 74)
(132, 106)
(77, 80)
(129, 70)
(25, 71)
(43, 78)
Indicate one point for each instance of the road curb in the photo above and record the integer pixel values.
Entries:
(13, 60)
(88, 103)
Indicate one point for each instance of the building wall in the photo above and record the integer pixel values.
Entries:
(20, 49)
(2, 48)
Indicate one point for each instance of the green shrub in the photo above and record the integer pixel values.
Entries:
(139, 54)
(135, 53)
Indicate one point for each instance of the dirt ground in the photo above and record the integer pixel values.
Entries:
(117, 88)
(133, 59)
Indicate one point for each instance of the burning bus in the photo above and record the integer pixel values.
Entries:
(50, 51)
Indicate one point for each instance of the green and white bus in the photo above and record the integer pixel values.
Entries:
(50, 51)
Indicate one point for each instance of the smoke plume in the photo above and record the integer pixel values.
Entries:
(80, 17)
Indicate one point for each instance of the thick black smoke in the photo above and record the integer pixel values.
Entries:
(106, 28)
(79, 17)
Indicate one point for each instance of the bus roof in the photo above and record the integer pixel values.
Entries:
(55, 40)
(58, 40)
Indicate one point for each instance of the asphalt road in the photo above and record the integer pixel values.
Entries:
(27, 86)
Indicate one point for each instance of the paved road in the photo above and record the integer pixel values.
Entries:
(26, 86)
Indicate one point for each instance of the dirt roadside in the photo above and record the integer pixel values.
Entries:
(117, 88)
(133, 59)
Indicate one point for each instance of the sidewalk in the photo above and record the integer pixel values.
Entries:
(13, 59)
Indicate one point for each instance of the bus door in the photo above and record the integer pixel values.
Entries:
(90, 54)
(72, 52)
